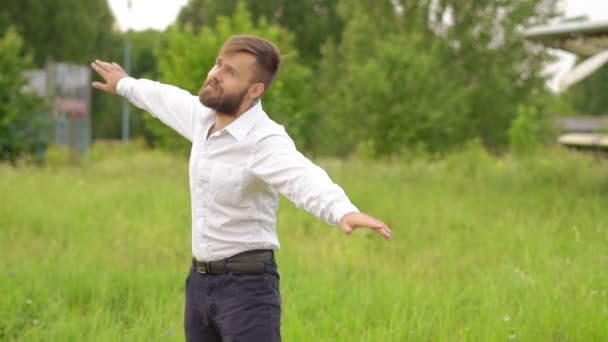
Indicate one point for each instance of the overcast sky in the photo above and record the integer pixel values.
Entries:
(159, 14)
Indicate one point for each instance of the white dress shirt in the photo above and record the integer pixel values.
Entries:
(237, 173)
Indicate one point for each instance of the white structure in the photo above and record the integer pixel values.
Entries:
(590, 41)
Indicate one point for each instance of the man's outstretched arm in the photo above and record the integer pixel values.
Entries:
(175, 107)
(276, 161)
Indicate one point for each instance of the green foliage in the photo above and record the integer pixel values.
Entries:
(500, 67)
(73, 31)
(107, 122)
(510, 252)
(311, 21)
(23, 122)
(187, 57)
(144, 45)
(59, 156)
(411, 78)
(392, 98)
(63, 30)
(471, 159)
(524, 133)
(588, 97)
(556, 105)
(113, 149)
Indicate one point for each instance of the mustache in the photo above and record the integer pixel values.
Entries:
(213, 83)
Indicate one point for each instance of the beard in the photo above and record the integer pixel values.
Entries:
(221, 102)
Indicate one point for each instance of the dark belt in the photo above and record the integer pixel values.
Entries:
(246, 262)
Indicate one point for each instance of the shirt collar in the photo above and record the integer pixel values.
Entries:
(243, 124)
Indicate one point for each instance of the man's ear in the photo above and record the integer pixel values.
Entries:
(256, 90)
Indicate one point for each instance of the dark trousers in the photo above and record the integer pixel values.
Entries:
(233, 307)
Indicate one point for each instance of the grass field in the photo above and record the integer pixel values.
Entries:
(484, 249)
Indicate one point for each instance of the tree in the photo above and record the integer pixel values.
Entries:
(143, 64)
(432, 73)
(311, 21)
(390, 85)
(22, 119)
(63, 30)
(589, 95)
(71, 31)
(188, 55)
(502, 69)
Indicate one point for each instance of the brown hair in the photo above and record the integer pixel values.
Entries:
(265, 53)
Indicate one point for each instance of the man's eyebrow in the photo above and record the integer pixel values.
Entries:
(230, 67)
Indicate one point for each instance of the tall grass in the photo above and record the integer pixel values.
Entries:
(484, 249)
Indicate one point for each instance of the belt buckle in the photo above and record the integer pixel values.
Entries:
(206, 269)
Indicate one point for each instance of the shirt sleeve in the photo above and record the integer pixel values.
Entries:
(276, 161)
(175, 107)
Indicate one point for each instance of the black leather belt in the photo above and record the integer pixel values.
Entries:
(246, 262)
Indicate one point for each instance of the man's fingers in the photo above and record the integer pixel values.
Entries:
(387, 229)
(111, 73)
(104, 68)
(100, 69)
(103, 65)
(352, 221)
(373, 223)
(117, 66)
(346, 228)
(100, 65)
(103, 87)
(98, 85)
(384, 230)
(386, 233)
(97, 67)
(381, 229)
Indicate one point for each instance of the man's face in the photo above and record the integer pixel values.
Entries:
(228, 83)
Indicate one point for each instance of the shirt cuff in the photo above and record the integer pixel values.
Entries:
(341, 210)
(124, 84)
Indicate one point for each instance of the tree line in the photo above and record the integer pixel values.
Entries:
(377, 78)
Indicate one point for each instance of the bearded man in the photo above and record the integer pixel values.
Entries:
(241, 160)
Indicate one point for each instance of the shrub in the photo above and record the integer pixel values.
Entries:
(22, 120)
(524, 132)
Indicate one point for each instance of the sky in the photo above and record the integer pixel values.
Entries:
(145, 14)
(159, 14)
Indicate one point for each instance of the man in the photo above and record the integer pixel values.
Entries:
(240, 161)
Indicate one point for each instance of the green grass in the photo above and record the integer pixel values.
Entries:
(484, 249)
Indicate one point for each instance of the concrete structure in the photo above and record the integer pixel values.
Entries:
(590, 41)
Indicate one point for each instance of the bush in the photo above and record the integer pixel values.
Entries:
(524, 133)
(56, 156)
(22, 120)
(391, 98)
(108, 149)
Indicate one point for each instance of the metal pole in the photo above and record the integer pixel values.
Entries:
(127, 67)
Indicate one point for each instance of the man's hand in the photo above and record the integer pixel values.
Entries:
(111, 73)
(352, 221)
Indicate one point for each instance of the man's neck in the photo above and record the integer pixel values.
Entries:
(222, 120)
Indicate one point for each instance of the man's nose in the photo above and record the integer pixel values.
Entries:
(211, 79)
(214, 75)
